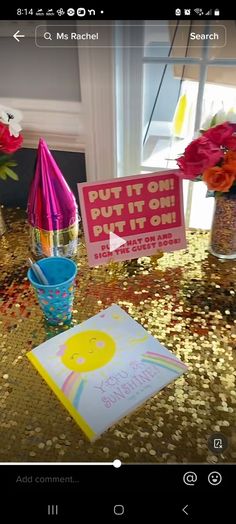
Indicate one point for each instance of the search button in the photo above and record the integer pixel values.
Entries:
(47, 36)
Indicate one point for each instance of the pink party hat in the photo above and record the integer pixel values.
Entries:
(52, 208)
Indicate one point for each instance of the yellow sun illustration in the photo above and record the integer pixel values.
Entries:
(88, 350)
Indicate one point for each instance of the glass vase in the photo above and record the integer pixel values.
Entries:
(223, 229)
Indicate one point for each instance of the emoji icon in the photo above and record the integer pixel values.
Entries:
(214, 478)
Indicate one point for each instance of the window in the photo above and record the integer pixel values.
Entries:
(171, 84)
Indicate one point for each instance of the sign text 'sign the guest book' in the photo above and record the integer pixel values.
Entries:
(105, 367)
(146, 211)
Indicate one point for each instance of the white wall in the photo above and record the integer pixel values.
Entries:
(31, 72)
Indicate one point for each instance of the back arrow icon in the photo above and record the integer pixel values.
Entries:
(184, 509)
(17, 36)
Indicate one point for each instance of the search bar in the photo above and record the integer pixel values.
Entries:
(73, 35)
(85, 35)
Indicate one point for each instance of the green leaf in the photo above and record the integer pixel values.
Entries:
(11, 164)
(4, 159)
(3, 176)
(11, 173)
(213, 121)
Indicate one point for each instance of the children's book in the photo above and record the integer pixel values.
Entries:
(104, 368)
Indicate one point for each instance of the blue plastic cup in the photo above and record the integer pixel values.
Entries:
(55, 299)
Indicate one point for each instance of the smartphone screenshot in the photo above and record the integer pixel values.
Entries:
(117, 263)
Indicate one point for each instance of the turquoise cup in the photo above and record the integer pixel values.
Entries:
(56, 298)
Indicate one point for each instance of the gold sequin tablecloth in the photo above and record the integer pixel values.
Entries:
(186, 299)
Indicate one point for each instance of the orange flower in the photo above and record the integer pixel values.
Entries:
(229, 157)
(230, 168)
(218, 179)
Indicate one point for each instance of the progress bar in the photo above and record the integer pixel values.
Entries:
(116, 463)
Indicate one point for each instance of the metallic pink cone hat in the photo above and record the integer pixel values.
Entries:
(52, 209)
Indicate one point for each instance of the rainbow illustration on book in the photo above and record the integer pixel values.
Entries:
(165, 362)
(105, 367)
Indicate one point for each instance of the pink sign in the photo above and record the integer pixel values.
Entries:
(144, 210)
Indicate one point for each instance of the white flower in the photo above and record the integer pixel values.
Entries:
(220, 117)
(231, 116)
(12, 118)
(207, 123)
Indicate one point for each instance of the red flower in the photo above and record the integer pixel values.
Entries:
(230, 143)
(201, 154)
(220, 134)
(8, 144)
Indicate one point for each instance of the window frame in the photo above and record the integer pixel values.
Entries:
(203, 62)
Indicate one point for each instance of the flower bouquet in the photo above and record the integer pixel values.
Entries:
(212, 158)
(10, 141)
